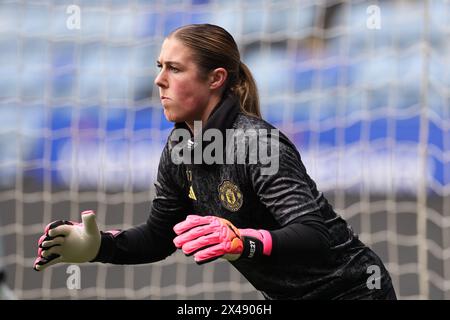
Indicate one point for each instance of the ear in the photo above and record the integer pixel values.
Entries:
(217, 78)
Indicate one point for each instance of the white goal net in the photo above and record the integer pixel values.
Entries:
(361, 87)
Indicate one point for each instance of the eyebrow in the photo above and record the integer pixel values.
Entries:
(169, 62)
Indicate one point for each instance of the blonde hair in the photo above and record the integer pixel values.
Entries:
(213, 47)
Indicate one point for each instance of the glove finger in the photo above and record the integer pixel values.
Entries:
(89, 222)
(201, 261)
(195, 233)
(62, 230)
(232, 249)
(192, 221)
(201, 243)
(44, 239)
(41, 263)
(55, 224)
(209, 254)
(53, 250)
(41, 248)
(43, 260)
(53, 242)
(41, 239)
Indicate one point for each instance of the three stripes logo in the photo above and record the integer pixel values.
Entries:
(191, 190)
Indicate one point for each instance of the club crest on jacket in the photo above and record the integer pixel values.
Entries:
(230, 196)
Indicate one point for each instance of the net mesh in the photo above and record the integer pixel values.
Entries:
(362, 89)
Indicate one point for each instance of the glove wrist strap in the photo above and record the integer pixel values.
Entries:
(257, 243)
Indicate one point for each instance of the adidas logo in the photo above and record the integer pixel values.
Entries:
(191, 144)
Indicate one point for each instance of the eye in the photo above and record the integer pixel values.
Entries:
(173, 69)
(158, 65)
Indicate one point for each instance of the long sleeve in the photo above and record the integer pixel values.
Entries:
(304, 238)
(151, 241)
(291, 197)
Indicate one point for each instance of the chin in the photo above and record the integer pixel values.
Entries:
(171, 117)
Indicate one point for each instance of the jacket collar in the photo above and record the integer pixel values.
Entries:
(222, 117)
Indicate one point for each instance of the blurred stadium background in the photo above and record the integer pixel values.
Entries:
(366, 101)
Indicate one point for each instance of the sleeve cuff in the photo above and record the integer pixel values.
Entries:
(107, 247)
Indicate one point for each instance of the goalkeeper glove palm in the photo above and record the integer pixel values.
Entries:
(67, 241)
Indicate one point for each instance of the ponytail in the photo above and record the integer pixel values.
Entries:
(247, 91)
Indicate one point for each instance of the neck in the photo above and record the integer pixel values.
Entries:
(213, 103)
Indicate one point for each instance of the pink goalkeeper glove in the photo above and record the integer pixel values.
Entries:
(209, 238)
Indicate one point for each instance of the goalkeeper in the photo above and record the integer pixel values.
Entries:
(277, 229)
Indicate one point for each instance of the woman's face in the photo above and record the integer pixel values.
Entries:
(184, 94)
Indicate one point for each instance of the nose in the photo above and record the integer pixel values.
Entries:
(161, 80)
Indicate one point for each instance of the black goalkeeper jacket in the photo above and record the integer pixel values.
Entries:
(315, 253)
